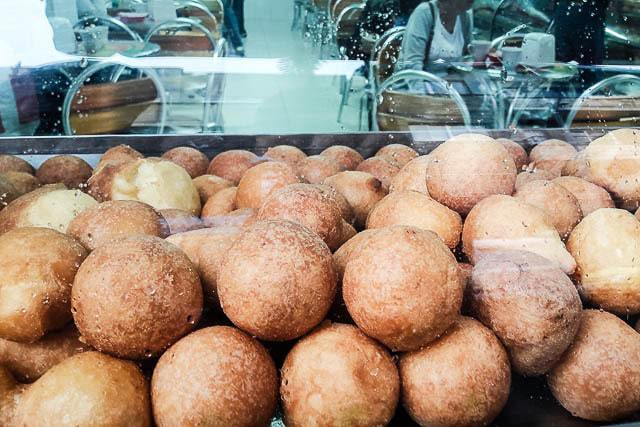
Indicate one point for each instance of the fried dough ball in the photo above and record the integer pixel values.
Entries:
(402, 287)
(87, 389)
(314, 206)
(136, 296)
(260, 181)
(505, 223)
(315, 169)
(112, 220)
(286, 154)
(397, 154)
(361, 190)
(217, 376)
(193, 161)
(558, 203)
(598, 378)
(463, 378)
(468, 168)
(37, 267)
(412, 177)
(209, 185)
(590, 197)
(529, 303)
(346, 158)
(159, 183)
(9, 163)
(606, 247)
(517, 152)
(381, 169)
(277, 281)
(552, 155)
(352, 380)
(231, 165)
(71, 171)
(206, 248)
(420, 211)
(49, 206)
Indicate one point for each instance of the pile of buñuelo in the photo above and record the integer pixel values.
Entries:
(152, 290)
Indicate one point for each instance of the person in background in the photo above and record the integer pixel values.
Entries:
(437, 30)
(238, 9)
(580, 30)
(405, 9)
(232, 29)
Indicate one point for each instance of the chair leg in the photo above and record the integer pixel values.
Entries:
(346, 90)
(296, 15)
(343, 90)
(364, 100)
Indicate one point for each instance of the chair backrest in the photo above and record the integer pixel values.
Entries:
(183, 37)
(347, 22)
(110, 107)
(338, 6)
(216, 7)
(194, 9)
(386, 52)
(397, 108)
(617, 109)
(109, 22)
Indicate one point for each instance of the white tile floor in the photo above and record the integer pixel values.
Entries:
(296, 101)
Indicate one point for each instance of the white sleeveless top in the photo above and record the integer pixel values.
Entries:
(446, 45)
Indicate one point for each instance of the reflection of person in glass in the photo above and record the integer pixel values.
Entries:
(232, 28)
(580, 30)
(238, 9)
(437, 30)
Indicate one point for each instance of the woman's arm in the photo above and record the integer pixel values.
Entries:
(416, 38)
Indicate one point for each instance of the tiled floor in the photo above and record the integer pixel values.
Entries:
(295, 101)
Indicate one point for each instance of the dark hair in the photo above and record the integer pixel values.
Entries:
(406, 7)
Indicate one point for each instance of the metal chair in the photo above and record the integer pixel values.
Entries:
(204, 87)
(85, 76)
(340, 5)
(399, 107)
(201, 10)
(300, 7)
(386, 53)
(108, 21)
(384, 56)
(345, 26)
(590, 92)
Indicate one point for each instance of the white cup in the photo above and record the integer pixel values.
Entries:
(511, 57)
(480, 49)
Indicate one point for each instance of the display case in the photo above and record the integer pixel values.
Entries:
(530, 228)
(294, 224)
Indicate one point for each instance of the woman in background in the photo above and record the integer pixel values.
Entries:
(437, 30)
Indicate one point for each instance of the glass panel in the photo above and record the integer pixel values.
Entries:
(185, 67)
(389, 164)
